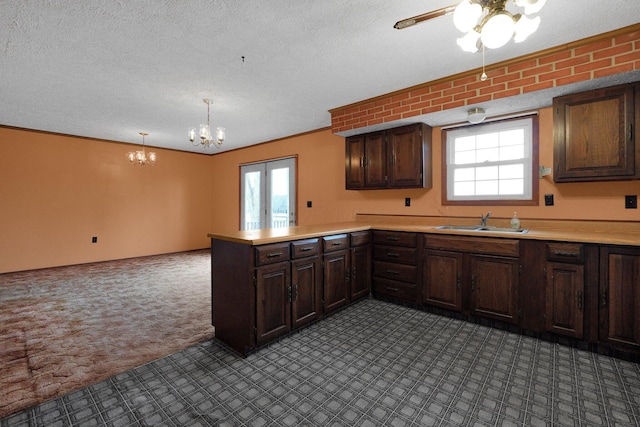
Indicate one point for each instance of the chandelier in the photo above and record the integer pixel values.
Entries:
(206, 139)
(141, 157)
(489, 24)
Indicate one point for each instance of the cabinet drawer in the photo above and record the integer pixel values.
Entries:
(304, 248)
(272, 253)
(395, 238)
(360, 238)
(565, 252)
(335, 243)
(395, 289)
(405, 273)
(396, 254)
(475, 245)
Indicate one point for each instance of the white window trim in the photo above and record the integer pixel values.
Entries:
(529, 123)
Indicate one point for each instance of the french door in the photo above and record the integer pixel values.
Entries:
(268, 194)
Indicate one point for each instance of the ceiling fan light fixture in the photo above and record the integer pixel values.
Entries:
(525, 27)
(531, 6)
(476, 115)
(469, 42)
(497, 30)
(466, 15)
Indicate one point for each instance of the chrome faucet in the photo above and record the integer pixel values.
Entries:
(483, 220)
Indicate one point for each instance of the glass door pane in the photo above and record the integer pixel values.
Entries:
(281, 191)
(253, 201)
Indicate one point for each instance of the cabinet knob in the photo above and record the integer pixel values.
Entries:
(580, 300)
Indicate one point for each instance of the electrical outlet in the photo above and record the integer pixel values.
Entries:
(94, 239)
(631, 202)
(309, 203)
(407, 201)
(548, 199)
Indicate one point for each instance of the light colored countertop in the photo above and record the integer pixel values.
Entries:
(602, 232)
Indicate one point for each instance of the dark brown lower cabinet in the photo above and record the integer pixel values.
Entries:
(494, 287)
(443, 279)
(360, 261)
(273, 306)
(619, 298)
(336, 280)
(565, 299)
(306, 291)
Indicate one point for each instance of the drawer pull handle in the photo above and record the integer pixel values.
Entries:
(392, 272)
(305, 249)
(569, 254)
(336, 244)
(392, 255)
(393, 239)
(274, 255)
(392, 289)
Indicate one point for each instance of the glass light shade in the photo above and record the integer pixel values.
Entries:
(469, 42)
(220, 134)
(498, 30)
(466, 15)
(531, 6)
(131, 156)
(192, 134)
(152, 157)
(525, 27)
(205, 132)
(476, 115)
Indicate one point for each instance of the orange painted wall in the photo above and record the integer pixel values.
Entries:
(58, 191)
(321, 180)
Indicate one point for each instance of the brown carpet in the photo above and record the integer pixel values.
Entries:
(64, 328)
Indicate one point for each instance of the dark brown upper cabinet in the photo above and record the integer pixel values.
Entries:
(395, 158)
(594, 135)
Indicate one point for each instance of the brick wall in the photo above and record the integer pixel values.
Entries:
(611, 53)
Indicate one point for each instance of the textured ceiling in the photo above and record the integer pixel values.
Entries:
(109, 69)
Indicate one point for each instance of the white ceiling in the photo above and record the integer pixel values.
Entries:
(109, 69)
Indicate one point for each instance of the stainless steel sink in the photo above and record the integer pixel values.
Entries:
(480, 228)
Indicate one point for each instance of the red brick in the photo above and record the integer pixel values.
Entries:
(624, 68)
(536, 87)
(374, 122)
(629, 57)
(538, 70)
(464, 81)
(506, 93)
(421, 91)
(402, 109)
(480, 84)
(573, 62)
(479, 99)
(523, 65)
(614, 51)
(432, 95)
(554, 57)
(492, 88)
(521, 82)
(432, 109)
(442, 100)
(420, 105)
(593, 47)
(465, 95)
(555, 75)
(400, 96)
(441, 86)
(625, 38)
(595, 65)
(393, 118)
(411, 114)
(574, 78)
(507, 78)
(455, 104)
(453, 90)
(375, 110)
(411, 101)
(392, 105)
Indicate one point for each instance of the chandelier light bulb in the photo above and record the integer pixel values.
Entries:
(466, 15)
(140, 157)
(498, 30)
(204, 132)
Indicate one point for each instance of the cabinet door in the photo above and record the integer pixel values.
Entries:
(273, 307)
(593, 133)
(375, 159)
(354, 167)
(494, 287)
(564, 312)
(360, 272)
(336, 280)
(306, 291)
(443, 279)
(405, 157)
(620, 297)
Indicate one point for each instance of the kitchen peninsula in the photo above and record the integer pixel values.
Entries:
(567, 281)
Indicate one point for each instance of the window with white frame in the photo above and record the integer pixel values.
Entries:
(493, 162)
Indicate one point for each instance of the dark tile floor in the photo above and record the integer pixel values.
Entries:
(369, 365)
